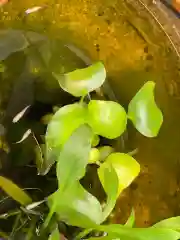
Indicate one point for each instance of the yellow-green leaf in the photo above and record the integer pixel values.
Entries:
(14, 191)
(82, 81)
(63, 123)
(126, 167)
(144, 113)
(107, 118)
(55, 235)
(94, 155)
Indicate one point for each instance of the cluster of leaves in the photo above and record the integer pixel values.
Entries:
(72, 142)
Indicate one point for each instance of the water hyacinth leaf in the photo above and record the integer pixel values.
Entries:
(94, 155)
(109, 180)
(76, 207)
(170, 223)
(107, 118)
(74, 156)
(131, 220)
(82, 81)
(60, 128)
(126, 233)
(55, 235)
(105, 151)
(126, 167)
(14, 191)
(144, 113)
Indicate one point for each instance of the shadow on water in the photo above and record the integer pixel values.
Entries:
(67, 35)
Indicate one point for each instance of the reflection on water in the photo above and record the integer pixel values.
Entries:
(133, 48)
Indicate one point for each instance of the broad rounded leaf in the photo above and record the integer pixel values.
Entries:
(126, 167)
(74, 156)
(61, 126)
(77, 207)
(144, 113)
(107, 118)
(82, 81)
(14, 191)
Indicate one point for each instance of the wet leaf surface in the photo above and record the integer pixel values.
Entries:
(82, 81)
(60, 128)
(77, 207)
(126, 167)
(107, 118)
(74, 157)
(144, 113)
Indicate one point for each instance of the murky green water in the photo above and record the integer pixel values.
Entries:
(133, 48)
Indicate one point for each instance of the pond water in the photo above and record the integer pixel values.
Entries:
(65, 35)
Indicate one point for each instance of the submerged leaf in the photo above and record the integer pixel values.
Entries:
(107, 118)
(77, 207)
(126, 167)
(14, 191)
(82, 81)
(62, 125)
(11, 41)
(144, 113)
(73, 157)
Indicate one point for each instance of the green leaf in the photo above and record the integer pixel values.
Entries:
(109, 181)
(74, 156)
(126, 167)
(55, 235)
(14, 191)
(82, 81)
(63, 123)
(171, 223)
(107, 118)
(131, 220)
(105, 151)
(144, 113)
(77, 207)
(103, 238)
(72, 161)
(94, 155)
(11, 41)
(95, 140)
(125, 233)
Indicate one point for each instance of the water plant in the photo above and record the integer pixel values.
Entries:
(72, 141)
